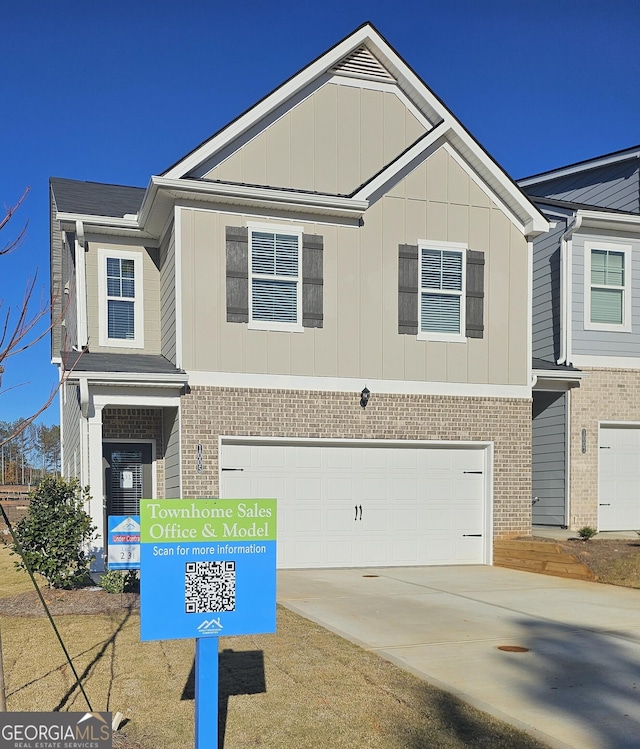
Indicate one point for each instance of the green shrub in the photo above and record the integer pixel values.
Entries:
(587, 532)
(56, 533)
(115, 581)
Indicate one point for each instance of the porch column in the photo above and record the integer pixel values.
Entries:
(96, 484)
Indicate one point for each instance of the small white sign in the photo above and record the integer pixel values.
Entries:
(126, 480)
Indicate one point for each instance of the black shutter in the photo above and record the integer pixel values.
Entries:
(237, 240)
(475, 294)
(408, 289)
(312, 281)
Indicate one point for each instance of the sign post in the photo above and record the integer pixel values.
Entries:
(208, 568)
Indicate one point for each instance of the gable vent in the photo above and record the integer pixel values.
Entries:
(361, 63)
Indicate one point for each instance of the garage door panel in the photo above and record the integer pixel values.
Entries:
(417, 503)
(619, 479)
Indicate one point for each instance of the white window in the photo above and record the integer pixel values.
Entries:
(120, 290)
(607, 286)
(275, 273)
(442, 291)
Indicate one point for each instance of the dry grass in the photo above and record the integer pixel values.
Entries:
(300, 688)
(613, 561)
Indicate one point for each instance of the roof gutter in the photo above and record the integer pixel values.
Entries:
(565, 288)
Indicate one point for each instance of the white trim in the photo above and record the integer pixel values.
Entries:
(530, 311)
(625, 249)
(606, 362)
(138, 300)
(428, 335)
(144, 379)
(355, 385)
(567, 452)
(81, 287)
(134, 399)
(177, 245)
(487, 446)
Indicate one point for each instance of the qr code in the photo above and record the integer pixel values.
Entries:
(209, 587)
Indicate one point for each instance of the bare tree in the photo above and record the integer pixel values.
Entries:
(20, 326)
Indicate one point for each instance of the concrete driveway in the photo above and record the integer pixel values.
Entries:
(578, 683)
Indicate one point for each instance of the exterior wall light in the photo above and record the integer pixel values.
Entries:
(364, 397)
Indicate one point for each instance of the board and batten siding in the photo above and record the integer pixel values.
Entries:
(171, 437)
(333, 141)
(611, 186)
(437, 201)
(549, 461)
(546, 294)
(168, 297)
(603, 342)
(151, 297)
(71, 417)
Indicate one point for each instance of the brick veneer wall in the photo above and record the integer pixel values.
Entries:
(208, 413)
(137, 424)
(604, 395)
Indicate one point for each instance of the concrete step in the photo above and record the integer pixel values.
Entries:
(541, 557)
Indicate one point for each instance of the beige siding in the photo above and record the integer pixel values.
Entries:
(151, 297)
(360, 334)
(333, 141)
(168, 297)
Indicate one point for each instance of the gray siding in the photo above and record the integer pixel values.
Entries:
(603, 342)
(71, 417)
(68, 297)
(171, 429)
(549, 458)
(168, 297)
(546, 294)
(613, 186)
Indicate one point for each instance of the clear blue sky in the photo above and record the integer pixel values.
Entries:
(117, 91)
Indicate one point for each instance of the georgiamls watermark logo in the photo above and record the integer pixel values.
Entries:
(55, 731)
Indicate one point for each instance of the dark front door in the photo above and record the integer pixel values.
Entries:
(127, 477)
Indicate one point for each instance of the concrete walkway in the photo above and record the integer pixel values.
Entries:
(578, 684)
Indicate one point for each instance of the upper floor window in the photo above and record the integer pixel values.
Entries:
(608, 293)
(275, 271)
(442, 290)
(120, 291)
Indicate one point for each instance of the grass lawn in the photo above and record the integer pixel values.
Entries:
(301, 687)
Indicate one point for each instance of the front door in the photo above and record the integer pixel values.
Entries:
(127, 477)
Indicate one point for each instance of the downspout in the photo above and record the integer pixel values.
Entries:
(565, 288)
(81, 288)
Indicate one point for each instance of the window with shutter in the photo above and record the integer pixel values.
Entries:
(440, 291)
(442, 287)
(607, 297)
(120, 291)
(274, 277)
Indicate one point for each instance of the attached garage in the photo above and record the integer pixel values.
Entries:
(362, 504)
(619, 478)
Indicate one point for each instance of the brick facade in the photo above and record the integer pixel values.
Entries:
(137, 424)
(604, 395)
(209, 412)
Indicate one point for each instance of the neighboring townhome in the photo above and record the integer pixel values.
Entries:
(586, 317)
(327, 302)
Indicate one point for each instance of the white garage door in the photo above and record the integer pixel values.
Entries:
(619, 479)
(356, 506)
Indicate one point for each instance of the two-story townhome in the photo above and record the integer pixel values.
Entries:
(586, 316)
(327, 302)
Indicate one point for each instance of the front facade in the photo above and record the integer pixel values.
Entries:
(328, 302)
(586, 316)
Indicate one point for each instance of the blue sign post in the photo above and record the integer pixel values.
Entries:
(208, 568)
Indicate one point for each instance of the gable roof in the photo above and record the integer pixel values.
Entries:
(581, 166)
(365, 53)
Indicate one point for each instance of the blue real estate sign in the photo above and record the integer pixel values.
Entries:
(208, 567)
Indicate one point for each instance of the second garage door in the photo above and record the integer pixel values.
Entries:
(619, 478)
(346, 505)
